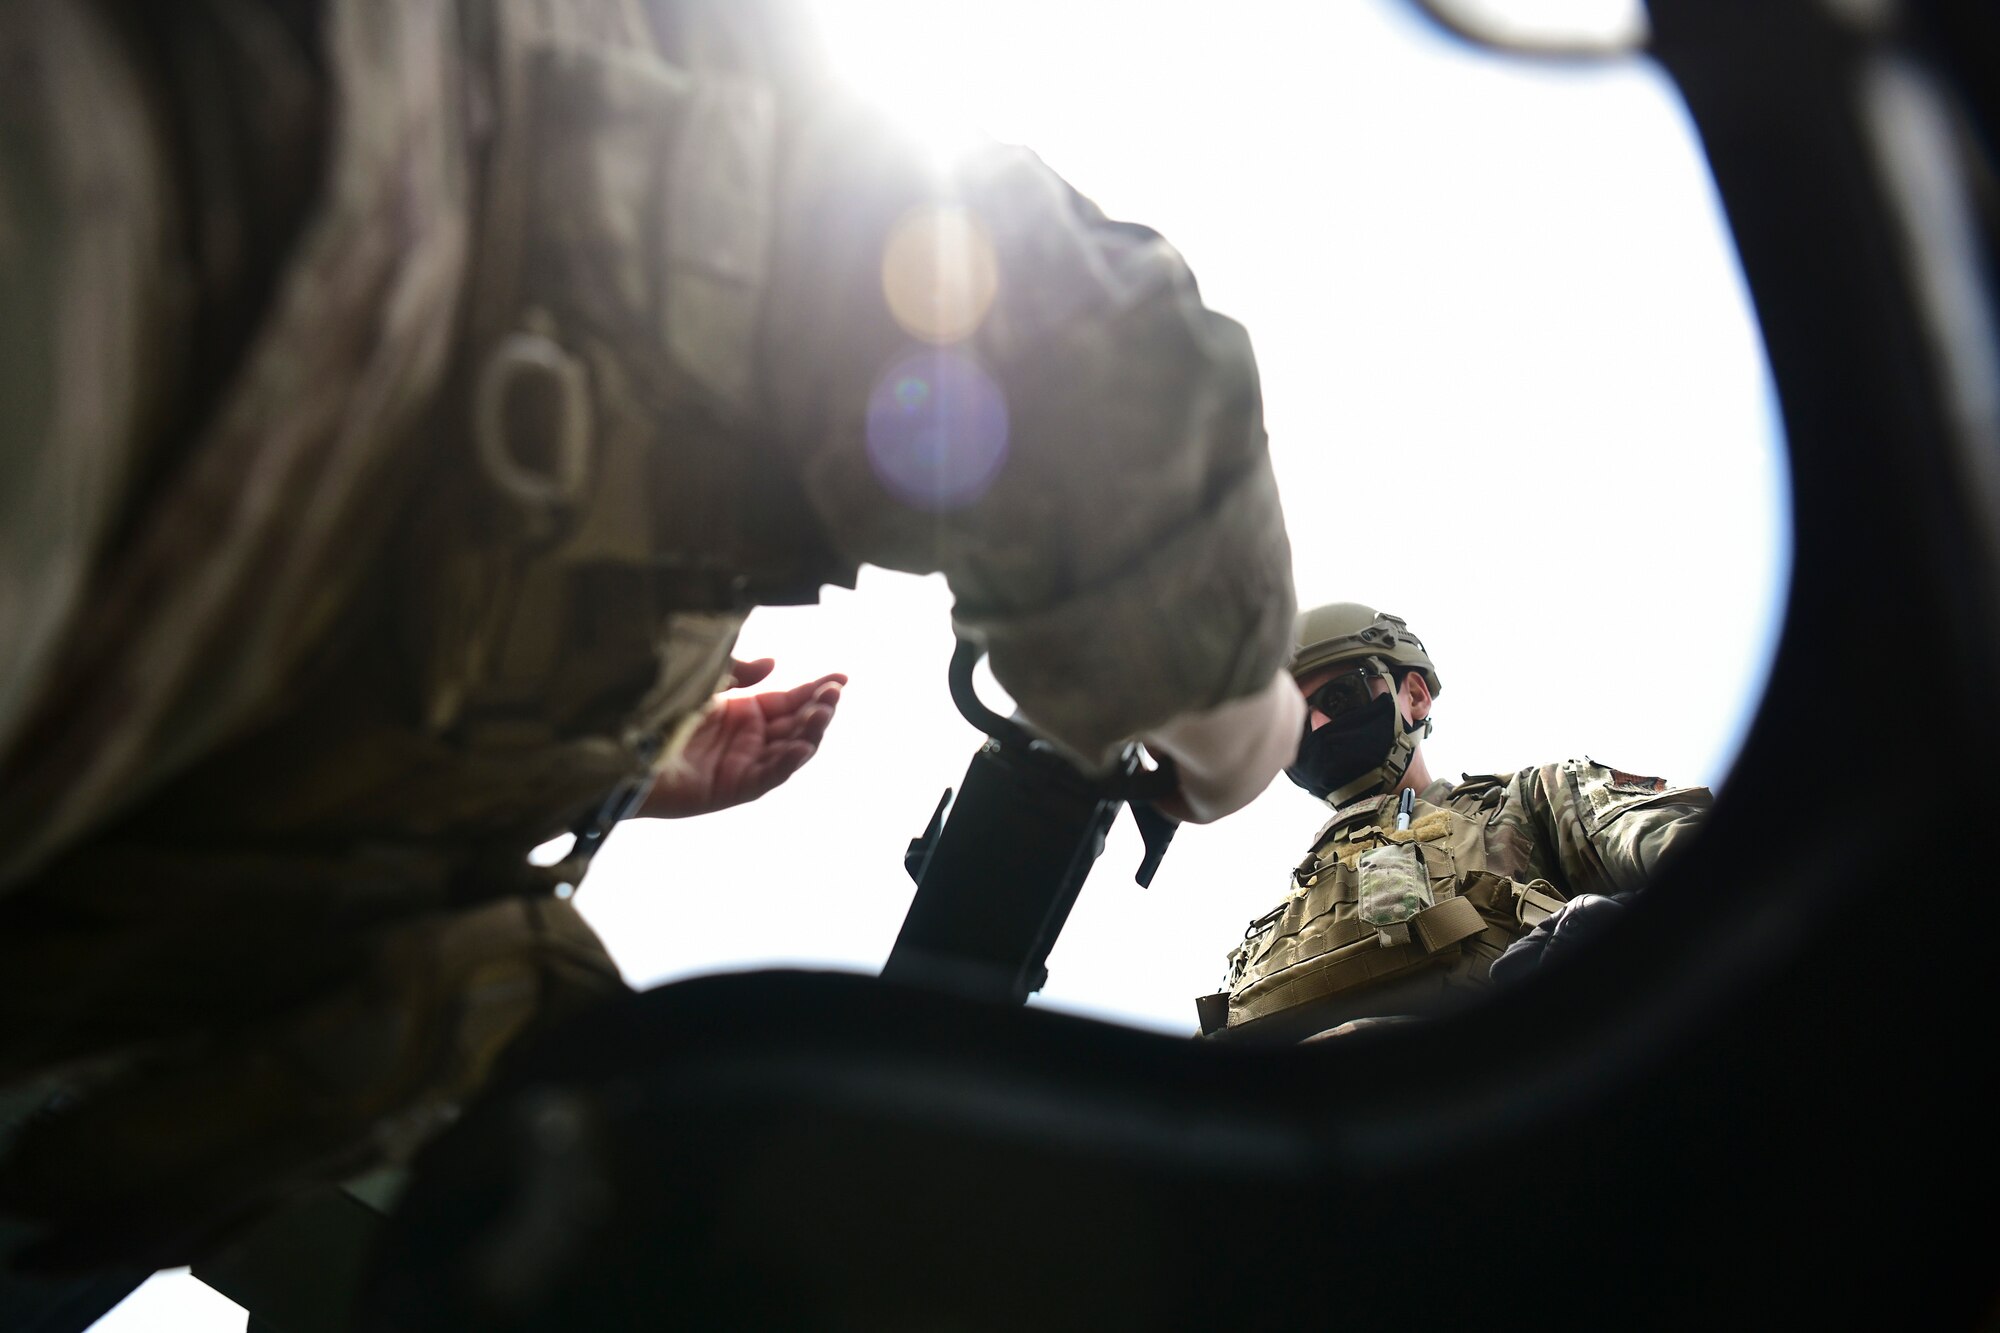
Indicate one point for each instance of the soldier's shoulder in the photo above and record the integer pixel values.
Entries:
(1479, 784)
(1473, 791)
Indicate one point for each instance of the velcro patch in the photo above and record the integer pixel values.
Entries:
(1430, 828)
(1630, 782)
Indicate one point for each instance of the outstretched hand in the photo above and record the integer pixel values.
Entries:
(746, 745)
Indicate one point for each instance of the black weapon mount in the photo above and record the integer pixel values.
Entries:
(999, 868)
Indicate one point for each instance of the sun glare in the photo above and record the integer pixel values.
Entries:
(924, 65)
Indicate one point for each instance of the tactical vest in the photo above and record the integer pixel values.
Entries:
(1378, 918)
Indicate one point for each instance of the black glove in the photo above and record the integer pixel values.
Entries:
(1580, 920)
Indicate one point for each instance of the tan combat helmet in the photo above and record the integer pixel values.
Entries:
(1350, 632)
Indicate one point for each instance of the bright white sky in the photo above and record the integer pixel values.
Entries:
(1514, 392)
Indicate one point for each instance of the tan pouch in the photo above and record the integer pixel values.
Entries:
(1394, 888)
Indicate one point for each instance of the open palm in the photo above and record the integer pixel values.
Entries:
(746, 745)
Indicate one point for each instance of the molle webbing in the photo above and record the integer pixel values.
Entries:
(1435, 929)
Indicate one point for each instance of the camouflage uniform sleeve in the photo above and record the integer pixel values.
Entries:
(1609, 830)
(1125, 561)
(84, 289)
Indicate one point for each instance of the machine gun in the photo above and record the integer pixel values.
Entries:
(999, 868)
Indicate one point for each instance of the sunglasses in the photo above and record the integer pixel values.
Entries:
(1342, 694)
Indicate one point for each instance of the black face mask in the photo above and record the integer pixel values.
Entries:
(1342, 751)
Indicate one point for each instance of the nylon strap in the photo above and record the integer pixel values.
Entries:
(1446, 923)
(1530, 904)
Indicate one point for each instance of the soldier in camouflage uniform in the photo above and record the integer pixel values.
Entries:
(1415, 886)
(404, 402)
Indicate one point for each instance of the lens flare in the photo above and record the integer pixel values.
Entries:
(939, 273)
(937, 430)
